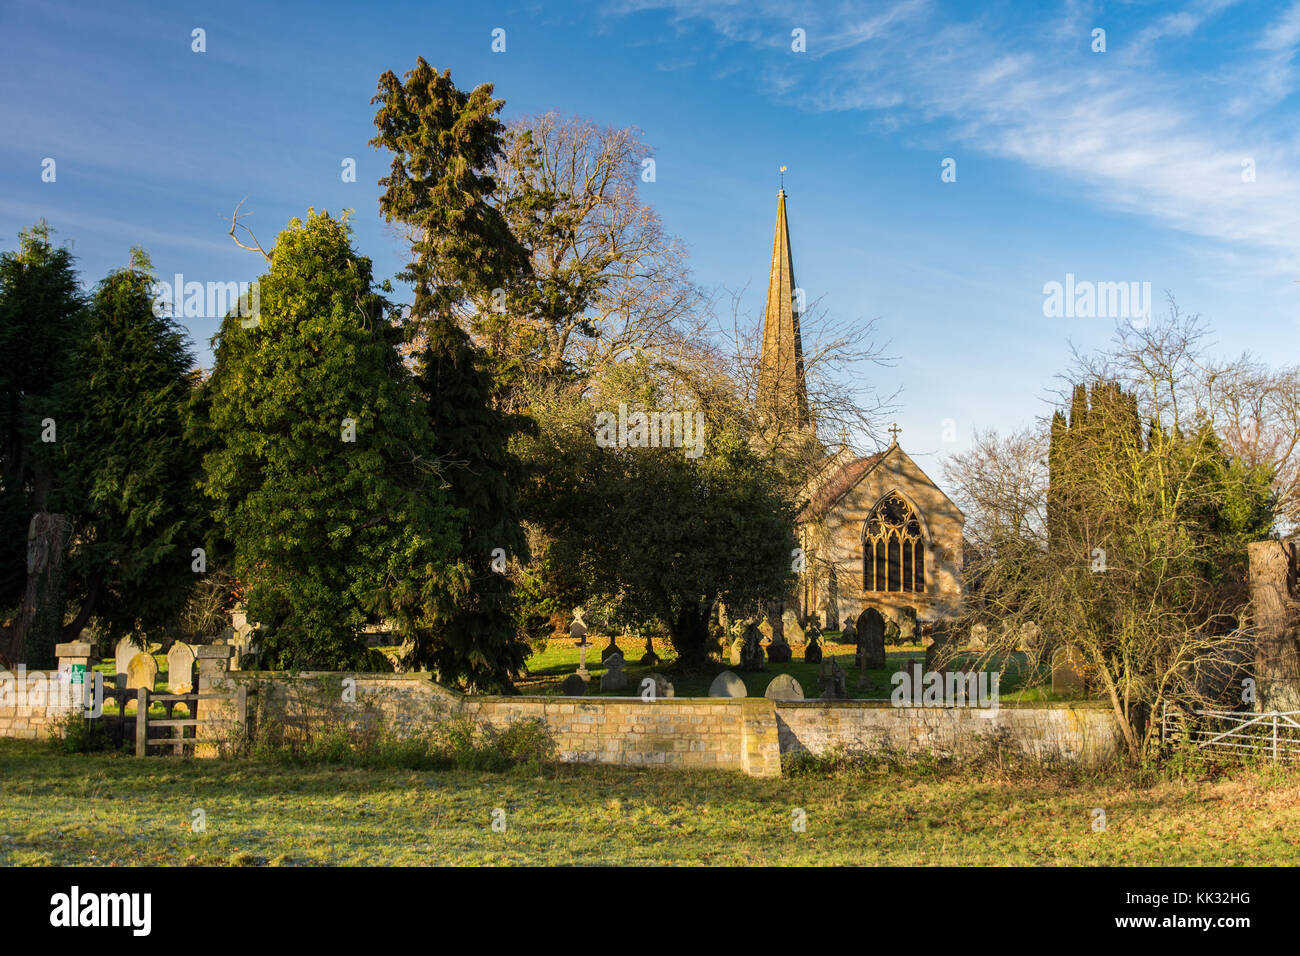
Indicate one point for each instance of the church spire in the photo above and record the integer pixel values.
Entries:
(782, 392)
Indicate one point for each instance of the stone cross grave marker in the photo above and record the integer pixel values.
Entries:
(614, 678)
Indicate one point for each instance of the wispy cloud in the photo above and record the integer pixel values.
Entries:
(1149, 127)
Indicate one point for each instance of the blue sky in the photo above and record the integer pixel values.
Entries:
(1123, 165)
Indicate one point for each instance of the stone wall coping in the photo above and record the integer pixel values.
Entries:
(887, 704)
(867, 703)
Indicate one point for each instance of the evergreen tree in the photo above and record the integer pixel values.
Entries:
(445, 143)
(128, 477)
(321, 474)
(42, 311)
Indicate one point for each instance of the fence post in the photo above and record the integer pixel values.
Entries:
(1275, 736)
(141, 721)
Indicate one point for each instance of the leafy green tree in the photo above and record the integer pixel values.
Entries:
(128, 477)
(42, 310)
(444, 143)
(659, 534)
(321, 475)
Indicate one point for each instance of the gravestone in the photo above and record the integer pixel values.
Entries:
(831, 681)
(778, 652)
(180, 668)
(765, 630)
(892, 635)
(610, 651)
(783, 687)
(1067, 671)
(908, 628)
(1031, 636)
(574, 686)
(849, 634)
(979, 638)
(794, 632)
(577, 629)
(649, 658)
(614, 678)
(123, 654)
(938, 654)
(662, 687)
(738, 649)
(812, 654)
(141, 672)
(752, 656)
(871, 639)
(728, 684)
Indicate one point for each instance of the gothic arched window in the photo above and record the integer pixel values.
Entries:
(893, 549)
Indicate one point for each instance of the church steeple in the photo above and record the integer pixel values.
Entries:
(782, 392)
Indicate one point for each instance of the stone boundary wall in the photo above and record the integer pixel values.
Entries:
(748, 734)
(32, 721)
(1084, 732)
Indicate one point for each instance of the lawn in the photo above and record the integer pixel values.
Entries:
(110, 810)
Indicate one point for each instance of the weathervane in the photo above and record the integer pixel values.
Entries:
(782, 179)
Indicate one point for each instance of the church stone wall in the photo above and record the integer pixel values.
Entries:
(837, 537)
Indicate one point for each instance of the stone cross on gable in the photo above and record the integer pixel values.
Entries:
(894, 432)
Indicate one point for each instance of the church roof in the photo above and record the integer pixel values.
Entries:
(782, 391)
(839, 483)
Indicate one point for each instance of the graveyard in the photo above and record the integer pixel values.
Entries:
(484, 466)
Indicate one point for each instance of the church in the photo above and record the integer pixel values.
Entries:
(875, 531)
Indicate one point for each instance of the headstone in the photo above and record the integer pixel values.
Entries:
(908, 628)
(737, 650)
(979, 637)
(574, 686)
(752, 657)
(614, 678)
(123, 654)
(938, 655)
(1067, 671)
(893, 636)
(849, 634)
(783, 687)
(871, 639)
(577, 629)
(662, 687)
(831, 680)
(778, 652)
(141, 672)
(765, 630)
(610, 651)
(794, 632)
(180, 668)
(649, 658)
(728, 684)
(812, 654)
(1031, 636)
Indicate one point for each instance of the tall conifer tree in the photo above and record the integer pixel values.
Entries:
(445, 142)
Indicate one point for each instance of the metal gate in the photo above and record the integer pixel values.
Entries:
(1274, 735)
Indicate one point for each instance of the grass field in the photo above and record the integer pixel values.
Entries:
(109, 810)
